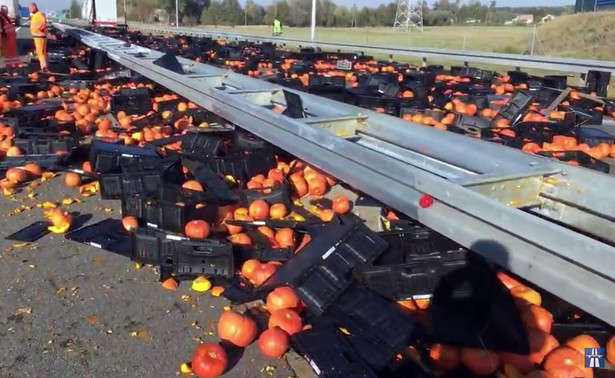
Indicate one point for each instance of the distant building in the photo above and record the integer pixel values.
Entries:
(523, 19)
(593, 5)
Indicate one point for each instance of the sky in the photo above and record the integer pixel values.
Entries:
(49, 5)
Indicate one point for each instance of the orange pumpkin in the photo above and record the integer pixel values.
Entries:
(197, 229)
(249, 268)
(541, 344)
(340, 204)
(60, 217)
(288, 320)
(130, 222)
(480, 361)
(16, 175)
(263, 272)
(445, 357)
(193, 185)
(579, 343)
(537, 317)
(528, 295)
(208, 360)
(273, 342)
(236, 328)
(285, 237)
(565, 362)
(33, 170)
(280, 298)
(610, 350)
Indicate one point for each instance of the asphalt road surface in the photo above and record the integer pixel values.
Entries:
(69, 310)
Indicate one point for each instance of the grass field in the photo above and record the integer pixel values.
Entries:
(589, 36)
(500, 39)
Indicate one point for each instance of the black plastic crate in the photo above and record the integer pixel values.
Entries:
(580, 157)
(77, 84)
(108, 234)
(263, 253)
(245, 141)
(108, 157)
(172, 209)
(407, 243)
(204, 144)
(593, 136)
(32, 114)
(16, 90)
(564, 332)
(143, 180)
(598, 81)
(241, 166)
(45, 146)
(417, 278)
(54, 161)
(188, 258)
(46, 127)
(473, 125)
(207, 257)
(378, 329)
(272, 195)
(516, 107)
(330, 354)
(216, 185)
(132, 101)
(170, 105)
(323, 269)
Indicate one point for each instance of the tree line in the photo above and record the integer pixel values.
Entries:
(328, 14)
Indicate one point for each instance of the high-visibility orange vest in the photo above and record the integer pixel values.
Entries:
(38, 25)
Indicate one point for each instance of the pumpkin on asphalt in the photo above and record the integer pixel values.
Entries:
(287, 319)
(236, 328)
(209, 360)
(273, 342)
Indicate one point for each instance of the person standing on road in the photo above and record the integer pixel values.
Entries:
(38, 29)
(277, 27)
(9, 39)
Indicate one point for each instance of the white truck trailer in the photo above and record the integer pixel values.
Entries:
(106, 12)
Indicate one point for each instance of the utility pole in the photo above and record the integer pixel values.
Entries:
(533, 39)
(313, 31)
(93, 12)
(177, 13)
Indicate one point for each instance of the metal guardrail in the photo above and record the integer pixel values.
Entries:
(472, 182)
(511, 60)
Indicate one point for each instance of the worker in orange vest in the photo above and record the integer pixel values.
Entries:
(38, 29)
(9, 39)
